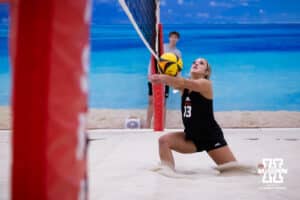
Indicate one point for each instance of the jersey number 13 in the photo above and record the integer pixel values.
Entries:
(187, 111)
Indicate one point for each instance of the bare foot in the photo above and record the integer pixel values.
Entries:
(237, 167)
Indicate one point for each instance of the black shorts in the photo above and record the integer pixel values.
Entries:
(207, 144)
(150, 93)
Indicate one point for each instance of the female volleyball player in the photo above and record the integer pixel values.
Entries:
(201, 131)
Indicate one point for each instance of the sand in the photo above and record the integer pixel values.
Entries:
(111, 119)
(5, 117)
(121, 164)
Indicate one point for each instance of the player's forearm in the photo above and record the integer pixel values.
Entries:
(175, 82)
(181, 83)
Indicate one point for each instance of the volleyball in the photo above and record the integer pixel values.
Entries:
(170, 64)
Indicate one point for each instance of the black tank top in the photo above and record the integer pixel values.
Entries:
(198, 117)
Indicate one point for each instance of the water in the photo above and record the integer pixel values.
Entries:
(255, 67)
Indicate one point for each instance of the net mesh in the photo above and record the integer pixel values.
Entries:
(142, 14)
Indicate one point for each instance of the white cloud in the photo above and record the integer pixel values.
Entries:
(232, 3)
(245, 4)
(163, 3)
(202, 15)
(220, 4)
(261, 11)
(212, 3)
(180, 2)
(4, 20)
(170, 11)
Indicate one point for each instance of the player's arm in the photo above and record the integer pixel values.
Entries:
(200, 85)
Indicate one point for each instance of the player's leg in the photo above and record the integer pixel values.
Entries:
(150, 107)
(226, 161)
(222, 155)
(174, 141)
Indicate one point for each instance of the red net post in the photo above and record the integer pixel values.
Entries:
(158, 89)
(50, 52)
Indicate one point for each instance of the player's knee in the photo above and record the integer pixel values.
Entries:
(164, 141)
(150, 100)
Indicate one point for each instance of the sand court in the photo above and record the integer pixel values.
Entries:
(122, 165)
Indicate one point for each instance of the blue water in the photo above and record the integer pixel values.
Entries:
(255, 67)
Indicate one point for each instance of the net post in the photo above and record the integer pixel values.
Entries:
(158, 89)
(49, 49)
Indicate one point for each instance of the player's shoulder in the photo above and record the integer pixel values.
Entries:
(204, 83)
(204, 80)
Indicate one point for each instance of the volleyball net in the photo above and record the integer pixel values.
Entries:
(144, 15)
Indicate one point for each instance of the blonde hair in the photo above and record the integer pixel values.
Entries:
(208, 70)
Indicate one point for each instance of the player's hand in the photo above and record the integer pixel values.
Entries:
(155, 78)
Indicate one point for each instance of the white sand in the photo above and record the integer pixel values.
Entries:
(121, 166)
(5, 117)
(108, 118)
(131, 176)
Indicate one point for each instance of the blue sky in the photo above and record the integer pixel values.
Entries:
(201, 11)
(210, 11)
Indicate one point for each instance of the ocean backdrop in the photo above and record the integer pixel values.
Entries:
(254, 67)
